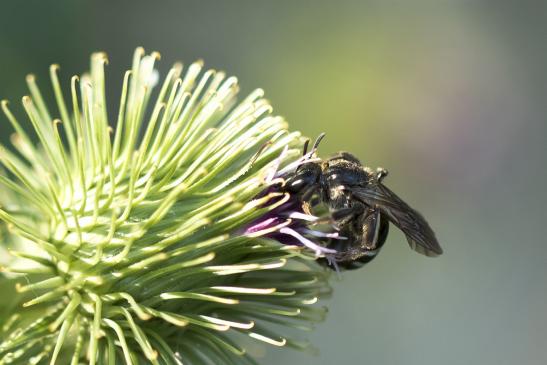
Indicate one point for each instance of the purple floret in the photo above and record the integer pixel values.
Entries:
(288, 223)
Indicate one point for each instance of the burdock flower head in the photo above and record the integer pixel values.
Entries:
(156, 235)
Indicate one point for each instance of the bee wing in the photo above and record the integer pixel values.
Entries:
(419, 234)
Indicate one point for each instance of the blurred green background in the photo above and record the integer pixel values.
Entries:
(450, 96)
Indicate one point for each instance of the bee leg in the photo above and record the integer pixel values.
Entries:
(370, 223)
(381, 173)
(344, 216)
(308, 193)
(306, 198)
(340, 218)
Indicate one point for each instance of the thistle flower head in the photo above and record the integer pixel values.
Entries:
(163, 240)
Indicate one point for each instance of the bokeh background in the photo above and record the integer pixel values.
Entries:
(450, 96)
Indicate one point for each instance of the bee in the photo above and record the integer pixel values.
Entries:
(361, 208)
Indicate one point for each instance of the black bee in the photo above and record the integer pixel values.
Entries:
(361, 207)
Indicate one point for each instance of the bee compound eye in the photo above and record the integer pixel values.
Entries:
(305, 177)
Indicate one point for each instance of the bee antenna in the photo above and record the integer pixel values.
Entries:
(317, 141)
(306, 147)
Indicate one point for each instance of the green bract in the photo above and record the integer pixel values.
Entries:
(131, 242)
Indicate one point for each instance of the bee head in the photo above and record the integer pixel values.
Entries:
(306, 176)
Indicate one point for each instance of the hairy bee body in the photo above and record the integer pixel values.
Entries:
(360, 207)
